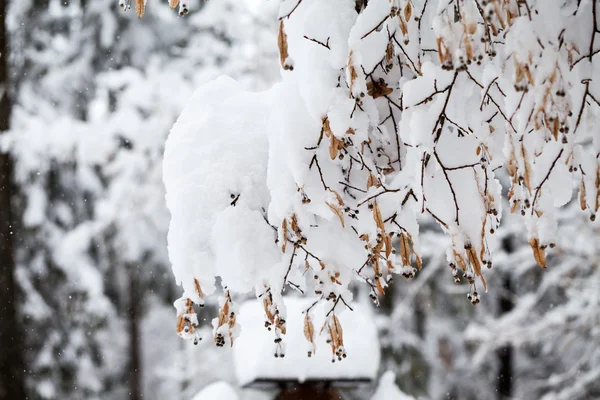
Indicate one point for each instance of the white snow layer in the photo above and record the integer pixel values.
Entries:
(387, 389)
(217, 391)
(216, 227)
(253, 350)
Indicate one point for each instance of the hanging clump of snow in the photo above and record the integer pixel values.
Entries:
(386, 112)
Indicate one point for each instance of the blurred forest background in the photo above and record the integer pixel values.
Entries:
(89, 96)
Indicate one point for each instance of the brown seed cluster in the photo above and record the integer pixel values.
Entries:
(335, 337)
(225, 319)
(187, 322)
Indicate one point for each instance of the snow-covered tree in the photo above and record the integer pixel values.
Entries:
(389, 112)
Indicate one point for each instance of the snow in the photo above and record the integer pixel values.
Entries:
(391, 117)
(221, 120)
(387, 389)
(253, 350)
(217, 391)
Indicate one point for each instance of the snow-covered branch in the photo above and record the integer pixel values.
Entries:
(386, 112)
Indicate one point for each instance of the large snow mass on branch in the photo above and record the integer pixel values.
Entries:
(215, 156)
(253, 349)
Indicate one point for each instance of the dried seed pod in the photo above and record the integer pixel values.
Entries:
(582, 202)
(283, 47)
(408, 11)
(337, 211)
(351, 71)
(538, 253)
(372, 181)
(140, 7)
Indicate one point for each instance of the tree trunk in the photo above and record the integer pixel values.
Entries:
(11, 338)
(504, 385)
(135, 361)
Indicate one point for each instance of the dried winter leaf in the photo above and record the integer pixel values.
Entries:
(528, 74)
(372, 181)
(379, 286)
(282, 326)
(198, 288)
(390, 266)
(283, 46)
(225, 312)
(333, 148)
(539, 213)
(388, 245)
(484, 282)
(482, 251)
(389, 52)
(475, 263)
(555, 129)
(295, 226)
(173, 3)
(500, 19)
(511, 164)
(337, 211)
(180, 323)
(232, 320)
(538, 253)
(334, 279)
(511, 192)
(519, 73)
(460, 261)
(267, 307)
(326, 128)
(419, 262)
(494, 29)
(284, 228)
(582, 196)
(404, 250)
(473, 259)
(514, 206)
(189, 309)
(337, 330)
(376, 267)
(527, 176)
(378, 88)
(338, 197)
(472, 28)
(140, 7)
(403, 26)
(309, 329)
(408, 11)
(468, 47)
(377, 217)
(351, 71)
(440, 49)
